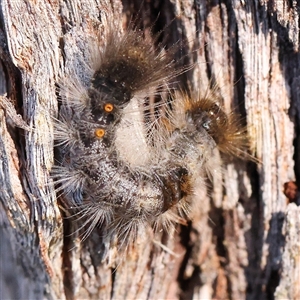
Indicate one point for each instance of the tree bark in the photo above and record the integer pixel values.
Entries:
(243, 241)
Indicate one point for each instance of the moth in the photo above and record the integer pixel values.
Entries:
(131, 149)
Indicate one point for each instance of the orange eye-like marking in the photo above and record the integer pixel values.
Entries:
(108, 107)
(99, 132)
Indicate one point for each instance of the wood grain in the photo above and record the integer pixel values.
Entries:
(243, 241)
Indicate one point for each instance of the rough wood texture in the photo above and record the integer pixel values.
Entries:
(243, 241)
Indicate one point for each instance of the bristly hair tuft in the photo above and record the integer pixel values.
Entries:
(129, 64)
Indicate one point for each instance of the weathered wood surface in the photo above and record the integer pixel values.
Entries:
(244, 240)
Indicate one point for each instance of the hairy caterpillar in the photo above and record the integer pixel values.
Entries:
(129, 156)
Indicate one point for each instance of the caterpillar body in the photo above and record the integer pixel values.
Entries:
(130, 157)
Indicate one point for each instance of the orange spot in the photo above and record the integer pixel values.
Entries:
(99, 132)
(108, 107)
